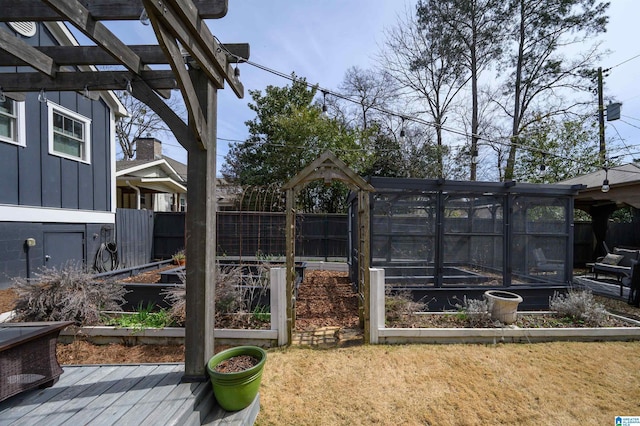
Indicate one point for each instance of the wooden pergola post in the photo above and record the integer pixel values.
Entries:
(200, 240)
(290, 231)
(183, 37)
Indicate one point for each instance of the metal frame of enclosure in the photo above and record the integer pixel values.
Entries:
(446, 240)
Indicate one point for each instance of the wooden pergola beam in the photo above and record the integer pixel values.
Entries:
(101, 10)
(95, 55)
(183, 22)
(196, 116)
(81, 18)
(25, 53)
(182, 132)
(77, 81)
(174, 29)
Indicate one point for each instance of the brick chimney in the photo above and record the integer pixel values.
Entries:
(148, 149)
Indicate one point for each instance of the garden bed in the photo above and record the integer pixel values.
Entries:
(543, 319)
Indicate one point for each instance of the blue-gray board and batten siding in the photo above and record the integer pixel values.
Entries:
(33, 179)
(30, 176)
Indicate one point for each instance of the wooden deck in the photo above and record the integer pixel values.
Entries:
(140, 394)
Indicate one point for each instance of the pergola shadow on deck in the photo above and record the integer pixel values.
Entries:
(122, 394)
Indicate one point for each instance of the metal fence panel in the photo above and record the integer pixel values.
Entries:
(168, 234)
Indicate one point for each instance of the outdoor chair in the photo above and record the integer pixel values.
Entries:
(633, 281)
(544, 265)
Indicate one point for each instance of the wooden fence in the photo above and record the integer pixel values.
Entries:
(134, 237)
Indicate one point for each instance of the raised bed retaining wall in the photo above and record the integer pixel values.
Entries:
(380, 334)
(276, 336)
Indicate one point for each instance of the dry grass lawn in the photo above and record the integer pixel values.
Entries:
(525, 384)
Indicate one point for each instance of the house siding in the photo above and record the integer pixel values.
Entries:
(45, 194)
(18, 260)
(33, 177)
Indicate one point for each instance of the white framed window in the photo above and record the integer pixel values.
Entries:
(12, 126)
(69, 133)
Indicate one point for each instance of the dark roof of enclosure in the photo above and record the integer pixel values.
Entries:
(435, 185)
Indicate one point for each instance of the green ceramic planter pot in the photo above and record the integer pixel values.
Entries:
(235, 391)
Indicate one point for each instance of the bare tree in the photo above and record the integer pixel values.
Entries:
(426, 67)
(370, 90)
(140, 122)
(542, 28)
(472, 33)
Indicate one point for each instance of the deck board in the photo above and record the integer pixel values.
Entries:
(131, 394)
(54, 404)
(151, 400)
(109, 399)
(26, 402)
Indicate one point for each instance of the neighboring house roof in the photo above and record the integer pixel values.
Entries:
(155, 175)
(227, 193)
(179, 167)
(168, 175)
(624, 184)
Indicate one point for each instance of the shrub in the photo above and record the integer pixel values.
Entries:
(229, 294)
(234, 292)
(400, 305)
(66, 294)
(475, 312)
(579, 305)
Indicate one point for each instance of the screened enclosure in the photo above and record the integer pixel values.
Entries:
(444, 240)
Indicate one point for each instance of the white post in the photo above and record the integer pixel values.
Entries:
(377, 310)
(279, 304)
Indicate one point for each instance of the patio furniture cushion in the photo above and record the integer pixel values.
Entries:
(621, 269)
(612, 259)
(627, 255)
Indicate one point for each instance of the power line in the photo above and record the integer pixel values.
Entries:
(498, 141)
(623, 62)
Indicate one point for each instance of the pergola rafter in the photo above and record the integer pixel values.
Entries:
(179, 26)
(36, 10)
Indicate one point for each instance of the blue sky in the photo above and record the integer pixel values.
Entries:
(320, 40)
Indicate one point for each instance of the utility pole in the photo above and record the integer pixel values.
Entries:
(603, 155)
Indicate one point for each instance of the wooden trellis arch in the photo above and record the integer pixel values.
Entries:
(200, 66)
(328, 167)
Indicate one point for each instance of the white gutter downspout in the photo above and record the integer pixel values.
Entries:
(135, 188)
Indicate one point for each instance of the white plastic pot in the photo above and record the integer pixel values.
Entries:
(504, 305)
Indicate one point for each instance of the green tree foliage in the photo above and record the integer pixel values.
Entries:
(566, 148)
(289, 132)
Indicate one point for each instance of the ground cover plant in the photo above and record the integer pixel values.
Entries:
(576, 308)
(143, 317)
